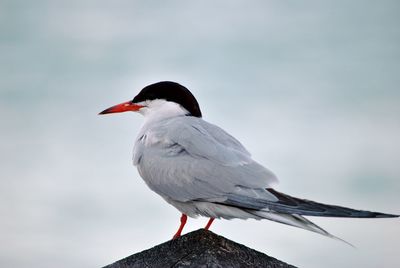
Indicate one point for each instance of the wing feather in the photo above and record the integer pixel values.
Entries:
(193, 160)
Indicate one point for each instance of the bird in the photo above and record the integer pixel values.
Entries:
(201, 170)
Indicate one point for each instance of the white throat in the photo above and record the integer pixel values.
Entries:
(157, 110)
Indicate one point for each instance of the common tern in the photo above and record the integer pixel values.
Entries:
(201, 170)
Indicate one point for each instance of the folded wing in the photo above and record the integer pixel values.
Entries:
(190, 159)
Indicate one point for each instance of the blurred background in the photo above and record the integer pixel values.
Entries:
(311, 88)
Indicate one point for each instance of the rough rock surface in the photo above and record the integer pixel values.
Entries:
(200, 248)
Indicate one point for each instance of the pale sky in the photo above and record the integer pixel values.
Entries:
(310, 88)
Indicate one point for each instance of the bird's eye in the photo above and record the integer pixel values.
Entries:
(151, 97)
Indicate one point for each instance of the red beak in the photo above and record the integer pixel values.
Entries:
(123, 107)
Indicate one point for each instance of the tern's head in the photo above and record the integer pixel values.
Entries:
(162, 99)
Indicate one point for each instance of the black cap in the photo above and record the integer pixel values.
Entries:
(170, 91)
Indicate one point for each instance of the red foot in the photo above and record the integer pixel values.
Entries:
(210, 221)
(183, 222)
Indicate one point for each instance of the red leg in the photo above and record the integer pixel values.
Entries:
(183, 222)
(210, 221)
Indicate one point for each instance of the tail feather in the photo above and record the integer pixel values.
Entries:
(295, 221)
(294, 205)
(290, 210)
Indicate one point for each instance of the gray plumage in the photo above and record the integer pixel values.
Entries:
(203, 171)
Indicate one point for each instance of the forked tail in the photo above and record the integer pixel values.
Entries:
(290, 210)
(296, 221)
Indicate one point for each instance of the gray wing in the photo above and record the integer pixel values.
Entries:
(187, 159)
(292, 205)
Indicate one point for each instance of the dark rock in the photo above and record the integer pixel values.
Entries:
(200, 248)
